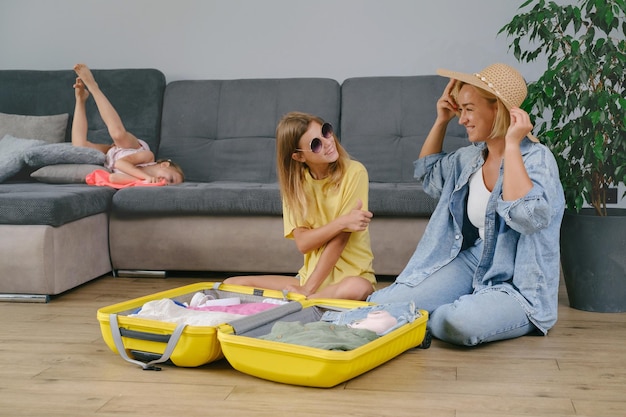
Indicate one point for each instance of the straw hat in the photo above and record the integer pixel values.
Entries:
(503, 81)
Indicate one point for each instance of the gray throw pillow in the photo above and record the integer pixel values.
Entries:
(62, 153)
(65, 173)
(49, 128)
(12, 151)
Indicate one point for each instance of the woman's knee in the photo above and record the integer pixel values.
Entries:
(395, 292)
(449, 324)
(480, 318)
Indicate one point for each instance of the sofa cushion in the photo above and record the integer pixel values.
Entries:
(49, 128)
(53, 205)
(65, 173)
(232, 198)
(62, 153)
(385, 120)
(224, 130)
(194, 198)
(12, 151)
(400, 200)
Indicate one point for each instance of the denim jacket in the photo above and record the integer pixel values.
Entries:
(521, 246)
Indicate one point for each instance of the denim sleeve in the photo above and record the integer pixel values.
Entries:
(537, 208)
(431, 170)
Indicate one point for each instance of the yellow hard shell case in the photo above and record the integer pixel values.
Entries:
(156, 342)
(308, 366)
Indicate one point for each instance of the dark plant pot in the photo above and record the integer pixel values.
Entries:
(593, 258)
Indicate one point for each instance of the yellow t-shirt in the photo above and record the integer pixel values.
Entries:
(356, 258)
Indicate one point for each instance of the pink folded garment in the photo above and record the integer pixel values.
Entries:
(246, 309)
(377, 321)
(101, 177)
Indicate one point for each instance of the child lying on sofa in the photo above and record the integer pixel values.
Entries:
(129, 159)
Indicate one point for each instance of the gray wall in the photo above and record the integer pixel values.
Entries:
(224, 39)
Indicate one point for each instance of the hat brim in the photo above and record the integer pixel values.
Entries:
(470, 79)
(476, 82)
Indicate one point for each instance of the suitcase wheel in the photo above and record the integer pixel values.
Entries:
(428, 337)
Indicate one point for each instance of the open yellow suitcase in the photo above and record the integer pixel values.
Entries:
(149, 342)
(310, 366)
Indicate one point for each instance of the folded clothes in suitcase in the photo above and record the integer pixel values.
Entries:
(141, 339)
(307, 342)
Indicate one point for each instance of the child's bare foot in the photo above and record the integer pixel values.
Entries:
(80, 91)
(84, 73)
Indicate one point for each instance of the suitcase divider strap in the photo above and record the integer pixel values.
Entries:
(256, 292)
(248, 323)
(149, 366)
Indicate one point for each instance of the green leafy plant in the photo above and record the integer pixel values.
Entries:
(578, 103)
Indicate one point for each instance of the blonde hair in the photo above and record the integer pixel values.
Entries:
(174, 166)
(503, 119)
(291, 173)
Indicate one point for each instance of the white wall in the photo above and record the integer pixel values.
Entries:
(224, 39)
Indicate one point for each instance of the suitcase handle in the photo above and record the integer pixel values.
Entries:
(116, 332)
(150, 337)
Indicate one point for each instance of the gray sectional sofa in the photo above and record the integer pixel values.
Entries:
(226, 216)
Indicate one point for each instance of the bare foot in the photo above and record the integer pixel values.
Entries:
(80, 91)
(84, 73)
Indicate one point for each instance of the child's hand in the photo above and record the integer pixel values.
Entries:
(358, 220)
(298, 289)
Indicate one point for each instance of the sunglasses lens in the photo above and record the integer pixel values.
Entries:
(327, 130)
(316, 145)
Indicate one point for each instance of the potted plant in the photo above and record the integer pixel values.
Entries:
(579, 108)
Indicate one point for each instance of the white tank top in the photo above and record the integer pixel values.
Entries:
(477, 201)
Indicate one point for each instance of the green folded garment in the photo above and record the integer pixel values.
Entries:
(321, 335)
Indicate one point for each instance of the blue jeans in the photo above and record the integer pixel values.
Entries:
(403, 312)
(458, 314)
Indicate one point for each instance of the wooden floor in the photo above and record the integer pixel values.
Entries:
(53, 362)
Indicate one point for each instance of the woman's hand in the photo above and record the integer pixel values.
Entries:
(520, 126)
(447, 106)
(516, 183)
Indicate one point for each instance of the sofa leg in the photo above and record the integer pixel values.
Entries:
(138, 273)
(25, 298)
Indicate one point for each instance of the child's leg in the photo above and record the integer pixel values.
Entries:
(109, 115)
(79, 122)
(350, 288)
(270, 282)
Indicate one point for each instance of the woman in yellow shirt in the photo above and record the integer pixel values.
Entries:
(325, 197)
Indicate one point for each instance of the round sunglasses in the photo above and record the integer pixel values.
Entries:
(316, 144)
